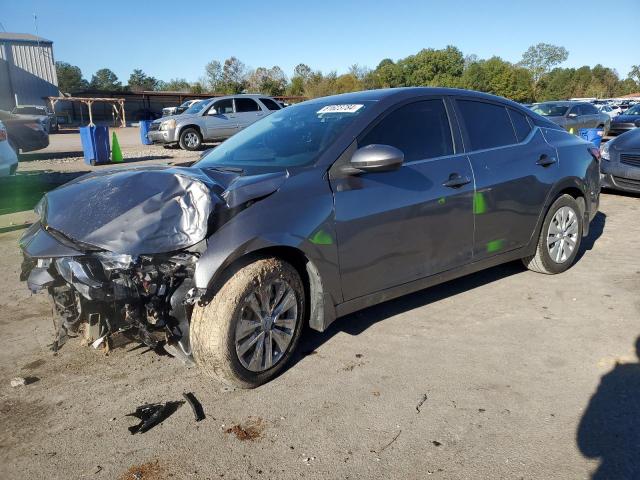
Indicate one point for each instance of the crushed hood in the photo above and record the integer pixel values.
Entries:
(147, 210)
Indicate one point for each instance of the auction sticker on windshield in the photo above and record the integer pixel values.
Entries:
(345, 108)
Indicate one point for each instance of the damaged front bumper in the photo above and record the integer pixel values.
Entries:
(148, 298)
(117, 250)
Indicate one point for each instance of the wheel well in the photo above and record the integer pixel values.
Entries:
(196, 127)
(308, 272)
(577, 194)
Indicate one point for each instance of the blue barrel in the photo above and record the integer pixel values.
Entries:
(593, 135)
(95, 144)
(144, 129)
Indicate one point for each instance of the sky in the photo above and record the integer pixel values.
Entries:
(169, 39)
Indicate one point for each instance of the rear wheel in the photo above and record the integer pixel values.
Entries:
(190, 139)
(249, 330)
(559, 239)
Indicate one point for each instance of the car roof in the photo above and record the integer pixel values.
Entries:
(402, 93)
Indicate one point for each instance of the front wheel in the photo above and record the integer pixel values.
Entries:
(249, 330)
(190, 139)
(560, 238)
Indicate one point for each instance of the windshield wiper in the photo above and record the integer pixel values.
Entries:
(228, 169)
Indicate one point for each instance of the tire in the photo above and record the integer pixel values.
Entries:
(558, 246)
(190, 139)
(220, 330)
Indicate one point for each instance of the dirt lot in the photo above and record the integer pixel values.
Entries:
(489, 376)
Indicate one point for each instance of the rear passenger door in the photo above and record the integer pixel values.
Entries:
(247, 112)
(399, 226)
(514, 170)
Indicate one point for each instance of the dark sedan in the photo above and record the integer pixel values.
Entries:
(620, 164)
(316, 211)
(626, 121)
(26, 132)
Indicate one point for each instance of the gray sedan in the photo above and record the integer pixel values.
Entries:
(620, 164)
(211, 120)
(319, 210)
(573, 116)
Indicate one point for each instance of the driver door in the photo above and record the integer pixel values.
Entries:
(220, 120)
(398, 226)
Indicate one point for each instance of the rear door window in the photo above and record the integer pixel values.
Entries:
(270, 104)
(246, 105)
(420, 130)
(487, 125)
(520, 124)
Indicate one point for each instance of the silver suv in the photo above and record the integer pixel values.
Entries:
(211, 120)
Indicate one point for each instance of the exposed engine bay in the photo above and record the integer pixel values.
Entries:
(117, 251)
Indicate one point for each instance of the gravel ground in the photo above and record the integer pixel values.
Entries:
(501, 374)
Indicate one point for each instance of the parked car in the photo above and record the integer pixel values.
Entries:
(611, 110)
(167, 111)
(573, 116)
(321, 209)
(213, 120)
(26, 132)
(38, 111)
(620, 164)
(8, 156)
(626, 121)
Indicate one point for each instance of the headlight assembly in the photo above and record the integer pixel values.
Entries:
(114, 261)
(604, 152)
(168, 124)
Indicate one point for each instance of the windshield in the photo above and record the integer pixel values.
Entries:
(635, 110)
(196, 107)
(292, 137)
(30, 111)
(550, 109)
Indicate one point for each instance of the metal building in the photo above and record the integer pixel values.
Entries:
(27, 70)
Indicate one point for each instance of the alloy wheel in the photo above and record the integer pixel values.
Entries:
(191, 139)
(265, 329)
(562, 236)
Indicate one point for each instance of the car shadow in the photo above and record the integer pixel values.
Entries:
(596, 229)
(610, 426)
(358, 322)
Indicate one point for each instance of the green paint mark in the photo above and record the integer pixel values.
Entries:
(479, 203)
(321, 238)
(442, 201)
(495, 245)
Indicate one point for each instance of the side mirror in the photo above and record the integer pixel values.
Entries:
(376, 158)
(213, 111)
(572, 115)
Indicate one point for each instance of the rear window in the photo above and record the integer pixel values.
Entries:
(270, 104)
(246, 105)
(520, 124)
(487, 125)
(420, 130)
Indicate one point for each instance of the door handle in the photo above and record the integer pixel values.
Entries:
(456, 181)
(545, 160)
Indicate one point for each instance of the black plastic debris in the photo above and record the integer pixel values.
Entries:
(152, 414)
(196, 406)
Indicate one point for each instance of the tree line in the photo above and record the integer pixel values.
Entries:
(537, 77)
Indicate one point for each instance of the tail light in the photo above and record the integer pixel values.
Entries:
(595, 153)
(3, 134)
